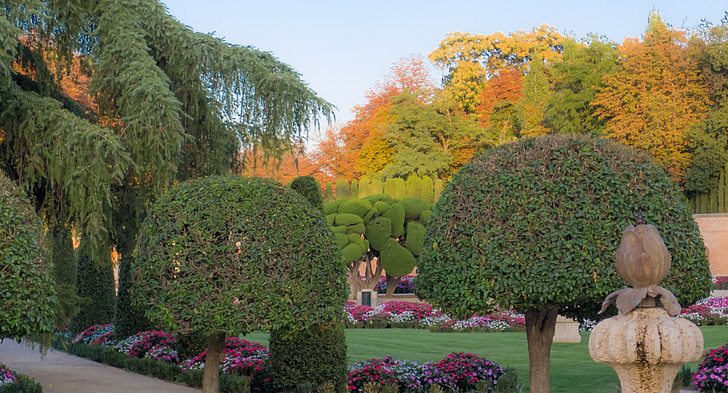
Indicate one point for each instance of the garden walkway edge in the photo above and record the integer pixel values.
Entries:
(59, 372)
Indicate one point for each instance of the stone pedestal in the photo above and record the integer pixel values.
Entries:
(646, 348)
(567, 330)
(367, 297)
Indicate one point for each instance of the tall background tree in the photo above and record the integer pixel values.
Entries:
(172, 104)
(655, 97)
(577, 78)
(707, 177)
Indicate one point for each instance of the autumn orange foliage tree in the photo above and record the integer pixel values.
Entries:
(655, 96)
(358, 148)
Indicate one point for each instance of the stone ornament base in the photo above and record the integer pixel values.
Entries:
(646, 348)
(566, 331)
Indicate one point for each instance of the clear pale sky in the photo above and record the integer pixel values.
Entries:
(342, 48)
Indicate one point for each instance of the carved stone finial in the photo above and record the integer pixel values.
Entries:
(643, 261)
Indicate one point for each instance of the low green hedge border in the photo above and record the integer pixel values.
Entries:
(161, 370)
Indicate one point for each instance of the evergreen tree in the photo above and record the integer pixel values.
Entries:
(708, 172)
(342, 189)
(328, 194)
(180, 105)
(95, 286)
(354, 189)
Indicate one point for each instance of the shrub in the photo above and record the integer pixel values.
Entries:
(163, 353)
(315, 355)
(94, 284)
(148, 340)
(712, 372)
(28, 295)
(310, 189)
(6, 376)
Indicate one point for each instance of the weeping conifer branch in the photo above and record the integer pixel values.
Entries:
(47, 146)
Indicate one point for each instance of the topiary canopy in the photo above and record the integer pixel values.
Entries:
(28, 297)
(236, 254)
(538, 222)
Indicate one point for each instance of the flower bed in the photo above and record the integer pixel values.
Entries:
(720, 282)
(12, 382)
(412, 315)
(6, 376)
(456, 372)
(708, 311)
(712, 372)
(460, 372)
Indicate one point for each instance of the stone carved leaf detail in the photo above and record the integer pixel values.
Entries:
(612, 299)
(669, 301)
(627, 301)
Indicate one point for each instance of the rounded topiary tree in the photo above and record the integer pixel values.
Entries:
(380, 233)
(28, 296)
(310, 189)
(226, 255)
(535, 225)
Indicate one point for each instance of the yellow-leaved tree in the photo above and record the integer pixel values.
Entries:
(655, 97)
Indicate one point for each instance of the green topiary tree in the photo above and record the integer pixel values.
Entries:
(342, 189)
(328, 196)
(310, 189)
(95, 285)
(354, 189)
(226, 255)
(396, 187)
(28, 297)
(381, 233)
(536, 224)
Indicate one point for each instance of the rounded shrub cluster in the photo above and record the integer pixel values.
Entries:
(28, 296)
(537, 222)
(310, 189)
(393, 228)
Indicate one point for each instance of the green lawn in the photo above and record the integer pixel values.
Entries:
(572, 369)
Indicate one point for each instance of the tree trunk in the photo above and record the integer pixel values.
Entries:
(392, 283)
(352, 277)
(215, 353)
(540, 325)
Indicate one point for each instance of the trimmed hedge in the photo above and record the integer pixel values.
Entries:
(311, 356)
